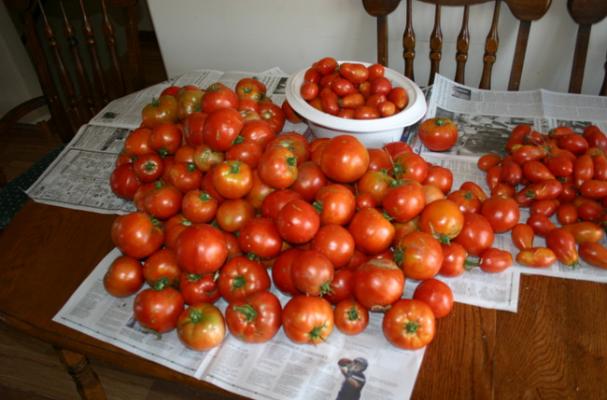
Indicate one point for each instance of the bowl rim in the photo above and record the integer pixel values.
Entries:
(411, 114)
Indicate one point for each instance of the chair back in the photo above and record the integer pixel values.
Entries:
(585, 13)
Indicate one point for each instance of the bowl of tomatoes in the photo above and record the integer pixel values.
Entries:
(364, 121)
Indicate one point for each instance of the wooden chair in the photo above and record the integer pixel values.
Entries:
(584, 12)
(78, 74)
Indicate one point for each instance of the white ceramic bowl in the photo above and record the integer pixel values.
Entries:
(371, 132)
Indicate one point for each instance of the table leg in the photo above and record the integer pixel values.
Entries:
(86, 380)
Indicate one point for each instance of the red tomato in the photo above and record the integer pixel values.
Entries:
(378, 283)
(437, 295)
(222, 127)
(454, 259)
(232, 215)
(278, 167)
(198, 206)
(405, 201)
(260, 237)
(537, 257)
(257, 131)
(594, 254)
(201, 249)
(137, 143)
(259, 191)
(566, 213)
(281, 271)
(522, 236)
(184, 176)
(162, 266)
(476, 235)
(158, 308)
(173, 228)
(465, 200)
(246, 152)
(312, 273)
(205, 158)
(297, 222)
(344, 159)
(501, 212)
(241, 277)
(193, 126)
(148, 167)
(395, 149)
(535, 171)
(275, 201)
(419, 255)
(486, 161)
(342, 286)
(255, 319)
(438, 134)
(165, 139)
(198, 289)
(376, 184)
(218, 96)
(250, 88)
(371, 231)
(159, 111)
(379, 159)
(562, 243)
(307, 319)
(124, 181)
(295, 142)
(585, 231)
(411, 166)
(124, 277)
(163, 201)
(495, 260)
(335, 203)
(137, 234)
(232, 179)
(310, 179)
(201, 327)
(442, 219)
(351, 318)
(354, 72)
(409, 324)
(399, 97)
(336, 243)
(440, 177)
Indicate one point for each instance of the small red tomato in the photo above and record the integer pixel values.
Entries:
(438, 134)
(124, 277)
(437, 295)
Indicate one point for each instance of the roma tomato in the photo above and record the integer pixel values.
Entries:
(476, 235)
(312, 273)
(536, 257)
(562, 243)
(409, 324)
(344, 159)
(255, 319)
(522, 236)
(594, 254)
(137, 234)
(308, 319)
(437, 295)
(201, 327)
(495, 260)
(438, 134)
(241, 277)
(124, 277)
(566, 213)
(351, 318)
(378, 283)
(541, 224)
(201, 249)
(158, 308)
(585, 231)
(487, 161)
(198, 289)
(420, 255)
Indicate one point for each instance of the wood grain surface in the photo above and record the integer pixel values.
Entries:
(554, 347)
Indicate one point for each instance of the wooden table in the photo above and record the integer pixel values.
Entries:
(554, 347)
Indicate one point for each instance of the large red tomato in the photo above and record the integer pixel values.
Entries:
(232, 179)
(260, 237)
(335, 242)
(158, 308)
(281, 271)
(201, 327)
(297, 221)
(405, 201)
(335, 203)
(278, 167)
(255, 319)
(442, 219)
(308, 319)
(162, 265)
(438, 134)
(344, 159)
(241, 277)
(420, 255)
(197, 288)
(409, 324)
(476, 235)
(218, 96)
(124, 181)
(371, 231)
(502, 213)
(312, 273)
(124, 277)
(137, 234)
(378, 283)
(201, 249)
(222, 128)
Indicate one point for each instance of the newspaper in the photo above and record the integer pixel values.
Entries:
(79, 177)
(273, 370)
(485, 119)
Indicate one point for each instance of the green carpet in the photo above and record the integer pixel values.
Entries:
(13, 196)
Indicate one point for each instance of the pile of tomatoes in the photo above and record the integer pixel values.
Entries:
(351, 90)
(561, 177)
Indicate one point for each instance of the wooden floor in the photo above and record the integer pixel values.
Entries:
(30, 369)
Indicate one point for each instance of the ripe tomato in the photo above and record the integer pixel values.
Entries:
(193, 126)
(173, 228)
(198, 289)
(502, 213)
(246, 152)
(275, 201)
(566, 213)
(232, 179)
(312, 273)
(354, 72)
(442, 219)
(162, 265)
(487, 161)
(562, 243)
(201, 249)
(540, 224)
(297, 222)
(419, 255)
(158, 308)
(201, 327)
(307, 319)
(281, 271)
(465, 200)
(440, 177)
(221, 128)
(495, 260)
(184, 176)
(454, 259)
(137, 234)
(336, 243)
(537, 257)
(409, 324)
(378, 283)
(594, 254)
(399, 97)
(344, 159)
(295, 142)
(205, 158)
(371, 231)
(272, 114)
(335, 203)
(342, 286)
(137, 143)
(163, 201)
(310, 179)
(278, 167)
(257, 131)
(124, 181)
(350, 317)
(198, 206)
(438, 134)
(165, 139)
(410, 166)
(241, 277)
(260, 237)
(232, 215)
(585, 231)
(218, 96)
(405, 201)
(522, 236)
(437, 295)
(476, 235)
(250, 88)
(159, 111)
(255, 319)
(148, 167)
(124, 277)
(259, 191)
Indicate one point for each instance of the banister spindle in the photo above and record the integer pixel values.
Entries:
(436, 45)
(110, 38)
(491, 45)
(463, 43)
(409, 42)
(101, 92)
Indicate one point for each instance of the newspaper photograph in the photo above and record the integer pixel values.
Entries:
(277, 369)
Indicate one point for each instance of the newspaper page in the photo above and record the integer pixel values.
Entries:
(485, 120)
(79, 177)
(277, 369)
